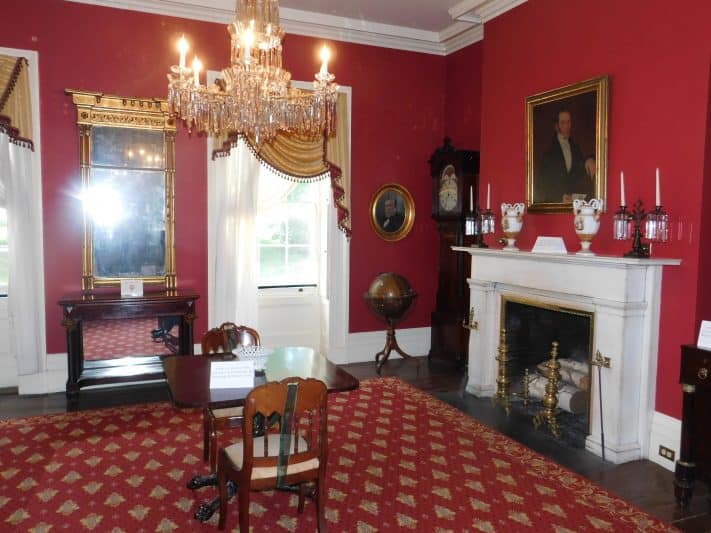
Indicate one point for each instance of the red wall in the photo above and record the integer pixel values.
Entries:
(658, 63)
(703, 305)
(398, 109)
(463, 105)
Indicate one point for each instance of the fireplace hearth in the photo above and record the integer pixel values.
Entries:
(531, 327)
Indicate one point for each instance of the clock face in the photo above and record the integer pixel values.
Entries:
(448, 190)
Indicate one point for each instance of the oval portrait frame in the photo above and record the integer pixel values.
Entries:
(404, 212)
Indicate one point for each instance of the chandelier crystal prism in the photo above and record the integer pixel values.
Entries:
(253, 96)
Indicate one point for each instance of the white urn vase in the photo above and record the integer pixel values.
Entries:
(511, 223)
(587, 222)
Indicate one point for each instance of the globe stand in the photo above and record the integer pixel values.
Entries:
(390, 344)
(389, 297)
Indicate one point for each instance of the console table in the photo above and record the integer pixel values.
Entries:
(80, 307)
(695, 455)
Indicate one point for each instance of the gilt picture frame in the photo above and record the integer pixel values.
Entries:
(392, 212)
(566, 146)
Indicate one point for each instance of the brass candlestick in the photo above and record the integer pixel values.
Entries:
(469, 322)
(550, 399)
(502, 381)
(525, 394)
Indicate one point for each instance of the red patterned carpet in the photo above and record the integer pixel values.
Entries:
(399, 460)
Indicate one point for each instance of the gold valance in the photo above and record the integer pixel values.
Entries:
(300, 158)
(15, 105)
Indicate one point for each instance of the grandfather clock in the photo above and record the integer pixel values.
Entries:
(455, 183)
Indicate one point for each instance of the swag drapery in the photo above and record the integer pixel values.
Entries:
(21, 195)
(232, 207)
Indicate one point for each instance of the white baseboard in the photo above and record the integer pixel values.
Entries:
(665, 431)
(362, 347)
(53, 379)
(8, 372)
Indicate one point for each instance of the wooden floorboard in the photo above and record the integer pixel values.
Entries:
(642, 483)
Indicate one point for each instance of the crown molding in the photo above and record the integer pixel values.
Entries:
(481, 11)
(459, 34)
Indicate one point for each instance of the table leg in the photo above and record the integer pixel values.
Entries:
(199, 482)
(206, 509)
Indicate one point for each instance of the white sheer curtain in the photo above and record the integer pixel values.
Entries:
(232, 214)
(22, 196)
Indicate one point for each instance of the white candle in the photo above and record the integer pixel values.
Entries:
(622, 189)
(183, 49)
(488, 196)
(471, 199)
(325, 56)
(197, 67)
(659, 196)
(247, 42)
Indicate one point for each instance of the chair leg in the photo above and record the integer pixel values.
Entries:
(206, 435)
(213, 448)
(302, 495)
(244, 507)
(222, 486)
(320, 508)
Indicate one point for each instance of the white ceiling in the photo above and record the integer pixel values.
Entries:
(430, 26)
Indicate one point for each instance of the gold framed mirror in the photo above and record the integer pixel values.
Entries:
(127, 165)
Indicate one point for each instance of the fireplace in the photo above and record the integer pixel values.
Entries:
(531, 328)
(621, 295)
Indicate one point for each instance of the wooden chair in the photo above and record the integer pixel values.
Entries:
(257, 463)
(215, 341)
(219, 340)
(240, 335)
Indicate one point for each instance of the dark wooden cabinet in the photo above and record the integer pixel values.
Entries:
(695, 454)
(455, 175)
(78, 308)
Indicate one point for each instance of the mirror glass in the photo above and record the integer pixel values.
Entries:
(126, 203)
(130, 337)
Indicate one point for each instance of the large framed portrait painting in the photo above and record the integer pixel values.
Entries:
(566, 145)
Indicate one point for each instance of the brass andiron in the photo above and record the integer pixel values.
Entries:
(550, 399)
(502, 381)
(469, 322)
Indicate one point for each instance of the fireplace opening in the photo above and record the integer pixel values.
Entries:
(531, 328)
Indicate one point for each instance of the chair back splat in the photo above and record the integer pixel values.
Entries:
(214, 341)
(240, 335)
(284, 446)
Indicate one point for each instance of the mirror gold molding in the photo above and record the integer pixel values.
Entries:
(104, 121)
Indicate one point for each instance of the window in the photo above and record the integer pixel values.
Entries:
(4, 266)
(289, 230)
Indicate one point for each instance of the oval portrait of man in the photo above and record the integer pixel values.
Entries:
(392, 212)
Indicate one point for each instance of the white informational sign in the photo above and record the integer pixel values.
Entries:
(549, 245)
(131, 287)
(704, 335)
(232, 374)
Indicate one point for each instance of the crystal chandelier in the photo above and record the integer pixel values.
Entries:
(253, 95)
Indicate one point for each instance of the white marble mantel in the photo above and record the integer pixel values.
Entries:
(624, 295)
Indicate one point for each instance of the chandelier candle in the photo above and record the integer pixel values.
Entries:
(622, 189)
(325, 55)
(659, 196)
(253, 95)
(197, 67)
(183, 49)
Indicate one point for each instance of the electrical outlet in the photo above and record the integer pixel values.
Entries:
(666, 452)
